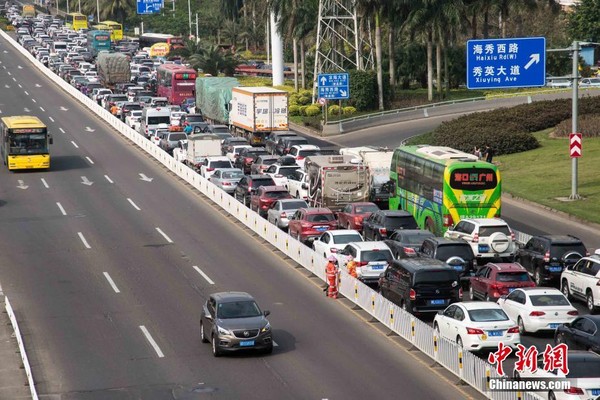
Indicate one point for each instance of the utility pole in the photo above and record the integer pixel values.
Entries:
(574, 160)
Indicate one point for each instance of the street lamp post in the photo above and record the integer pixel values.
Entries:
(98, 10)
(190, 18)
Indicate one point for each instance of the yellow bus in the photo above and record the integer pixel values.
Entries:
(76, 21)
(24, 142)
(116, 30)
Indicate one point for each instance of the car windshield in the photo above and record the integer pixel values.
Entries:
(181, 136)
(436, 277)
(558, 249)
(194, 118)
(232, 175)
(220, 164)
(277, 195)
(293, 205)
(287, 171)
(464, 252)
(376, 255)
(397, 222)
(584, 369)
(367, 208)
(320, 217)
(489, 230)
(307, 153)
(269, 161)
(546, 300)
(512, 277)
(263, 182)
(487, 315)
(417, 238)
(238, 309)
(347, 238)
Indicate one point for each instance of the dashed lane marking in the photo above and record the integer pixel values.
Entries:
(210, 281)
(151, 341)
(62, 210)
(168, 239)
(85, 243)
(111, 282)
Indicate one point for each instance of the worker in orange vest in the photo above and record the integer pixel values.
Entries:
(332, 274)
(113, 109)
(351, 266)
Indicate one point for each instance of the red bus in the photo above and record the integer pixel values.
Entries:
(176, 82)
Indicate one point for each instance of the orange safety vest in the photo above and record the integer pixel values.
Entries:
(352, 268)
(331, 270)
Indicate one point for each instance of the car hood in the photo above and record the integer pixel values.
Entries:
(242, 323)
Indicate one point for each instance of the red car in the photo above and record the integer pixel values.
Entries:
(494, 280)
(309, 223)
(265, 196)
(351, 216)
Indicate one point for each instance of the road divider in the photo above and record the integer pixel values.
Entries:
(467, 367)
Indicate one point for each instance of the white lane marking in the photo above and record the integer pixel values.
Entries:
(4, 66)
(111, 282)
(74, 144)
(145, 178)
(108, 179)
(85, 243)
(164, 235)
(62, 130)
(63, 109)
(152, 342)
(1, 292)
(42, 108)
(88, 129)
(90, 160)
(133, 204)
(51, 119)
(22, 184)
(14, 79)
(34, 100)
(26, 93)
(204, 275)
(9, 73)
(0, 111)
(275, 344)
(86, 181)
(45, 183)
(60, 207)
(18, 84)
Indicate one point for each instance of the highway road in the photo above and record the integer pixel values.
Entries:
(107, 259)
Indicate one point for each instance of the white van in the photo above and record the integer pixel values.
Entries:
(152, 117)
(56, 46)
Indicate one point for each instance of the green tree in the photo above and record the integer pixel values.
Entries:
(583, 21)
(214, 61)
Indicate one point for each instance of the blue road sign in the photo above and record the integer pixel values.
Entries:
(334, 86)
(506, 63)
(149, 6)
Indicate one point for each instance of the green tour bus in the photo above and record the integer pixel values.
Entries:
(439, 186)
(98, 41)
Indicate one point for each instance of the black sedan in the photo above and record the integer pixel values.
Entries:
(581, 334)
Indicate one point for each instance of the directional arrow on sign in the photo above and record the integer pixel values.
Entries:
(534, 58)
(145, 178)
(86, 181)
(22, 185)
(63, 109)
(88, 129)
(323, 81)
(343, 93)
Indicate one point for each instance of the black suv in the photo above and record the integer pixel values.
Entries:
(273, 138)
(455, 252)
(406, 242)
(420, 285)
(546, 256)
(381, 222)
(249, 184)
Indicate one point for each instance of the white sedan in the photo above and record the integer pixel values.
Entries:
(476, 325)
(538, 308)
(333, 241)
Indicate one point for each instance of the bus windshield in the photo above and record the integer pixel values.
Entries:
(33, 143)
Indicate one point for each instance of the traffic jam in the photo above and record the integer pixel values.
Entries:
(380, 214)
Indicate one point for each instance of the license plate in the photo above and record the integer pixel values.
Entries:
(595, 392)
(437, 302)
(495, 333)
(553, 326)
(510, 290)
(483, 248)
(458, 267)
(247, 343)
(555, 269)
(321, 228)
(376, 267)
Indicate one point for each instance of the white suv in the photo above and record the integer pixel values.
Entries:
(582, 281)
(488, 237)
(373, 259)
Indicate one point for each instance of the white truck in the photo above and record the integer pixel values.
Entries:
(152, 118)
(198, 147)
(254, 112)
(335, 181)
(378, 159)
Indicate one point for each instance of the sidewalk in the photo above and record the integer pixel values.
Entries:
(13, 381)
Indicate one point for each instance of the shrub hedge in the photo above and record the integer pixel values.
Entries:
(587, 124)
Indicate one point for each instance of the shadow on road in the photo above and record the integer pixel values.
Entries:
(66, 163)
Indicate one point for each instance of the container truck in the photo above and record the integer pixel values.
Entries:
(198, 147)
(112, 68)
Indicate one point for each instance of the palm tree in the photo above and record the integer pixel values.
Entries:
(372, 9)
(214, 61)
(286, 12)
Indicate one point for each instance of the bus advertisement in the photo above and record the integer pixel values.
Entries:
(176, 82)
(98, 41)
(439, 186)
(115, 28)
(25, 143)
(76, 21)
(149, 39)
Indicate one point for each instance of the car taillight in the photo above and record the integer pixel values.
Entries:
(474, 331)
(362, 263)
(514, 329)
(476, 238)
(358, 220)
(333, 250)
(409, 251)
(226, 183)
(383, 231)
(305, 225)
(547, 257)
(278, 176)
(512, 236)
(537, 313)
(448, 220)
(299, 158)
(573, 312)
(283, 215)
(210, 169)
(574, 390)
(412, 294)
(248, 160)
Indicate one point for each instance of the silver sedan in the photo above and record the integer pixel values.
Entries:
(280, 212)
(227, 178)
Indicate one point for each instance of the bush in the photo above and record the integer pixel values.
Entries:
(349, 110)
(363, 90)
(333, 110)
(304, 101)
(587, 124)
(313, 122)
(312, 110)
(302, 110)
(305, 93)
(294, 110)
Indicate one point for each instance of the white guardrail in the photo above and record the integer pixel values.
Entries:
(467, 367)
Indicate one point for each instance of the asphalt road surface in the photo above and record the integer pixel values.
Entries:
(103, 268)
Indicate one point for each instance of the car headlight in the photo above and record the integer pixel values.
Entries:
(266, 328)
(223, 331)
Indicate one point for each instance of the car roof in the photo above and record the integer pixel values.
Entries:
(217, 158)
(395, 213)
(258, 176)
(422, 263)
(532, 291)
(555, 239)
(378, 245)
(225, 297)
(506, 266)
(337, 232)
(230, 170)
(317, 210)
(478, 305)
(306, 147)
(268, 157)
(487, 221)
(273, 189)
(441, 241)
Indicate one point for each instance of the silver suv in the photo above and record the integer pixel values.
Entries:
(488, 237)
(373, 259)
(232, 321)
